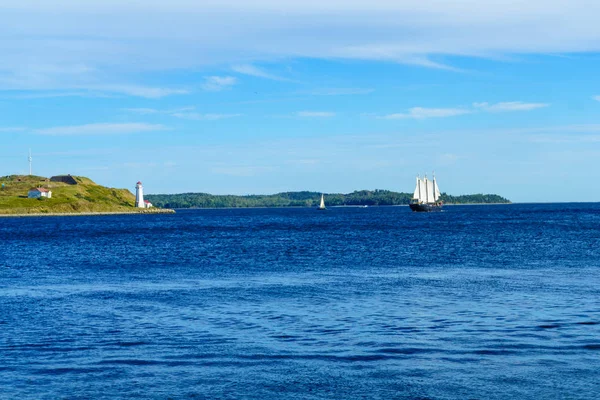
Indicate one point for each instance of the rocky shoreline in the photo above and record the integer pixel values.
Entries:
(141, 211)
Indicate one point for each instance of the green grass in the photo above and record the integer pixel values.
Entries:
(84, 197)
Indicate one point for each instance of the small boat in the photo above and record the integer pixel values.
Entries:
(322, 205)
(427, 196)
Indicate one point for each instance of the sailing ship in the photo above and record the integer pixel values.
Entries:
(322, 205)
(427, 196)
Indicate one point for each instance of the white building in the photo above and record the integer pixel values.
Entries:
(147, 204)
(139, 195)
(36, 193)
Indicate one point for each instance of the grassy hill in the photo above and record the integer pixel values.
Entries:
(82, 195)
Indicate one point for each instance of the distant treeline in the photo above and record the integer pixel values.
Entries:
(308, 199)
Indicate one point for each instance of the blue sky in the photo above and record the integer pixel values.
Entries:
(231, 97)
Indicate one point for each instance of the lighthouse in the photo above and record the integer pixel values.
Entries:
(139, 195)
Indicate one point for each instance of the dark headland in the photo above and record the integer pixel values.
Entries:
(71, 195)
(309, 199)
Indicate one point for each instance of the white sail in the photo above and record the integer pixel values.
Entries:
(417, 194)
(422, 191)
(430, 192)
(322, 205)
(426, 192)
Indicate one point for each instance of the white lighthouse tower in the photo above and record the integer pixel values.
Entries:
(139, 195)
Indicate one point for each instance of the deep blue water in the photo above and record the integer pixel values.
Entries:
(487, 302)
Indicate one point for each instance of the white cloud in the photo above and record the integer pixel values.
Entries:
(183, 113)
(337, 91)
(13, 129)
(40, 80)
(65, 51)
(134, 90)
(510, 106)
(55, 94)
(423, 113)
(203, 117)
(193, 33)
(149, 111)
(597, 98)
(315, 114)
(251, 70)
(100, 129)
(218, 83)
(142, 111)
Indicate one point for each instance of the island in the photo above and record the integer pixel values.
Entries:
(65, 195)
(310, 199)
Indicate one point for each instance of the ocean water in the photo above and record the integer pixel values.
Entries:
(476, 302)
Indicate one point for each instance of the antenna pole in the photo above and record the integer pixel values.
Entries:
(29, 161)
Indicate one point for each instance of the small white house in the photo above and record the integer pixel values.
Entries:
(147, 204)
(36, 193)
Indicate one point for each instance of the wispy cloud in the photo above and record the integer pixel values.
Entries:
(183, 113)
(203, 117)
(423, 113)
(510, 106)
(252, 70)
(218, 83)
(142, 111)
(51, 88)
(597, 98)
(393, 53)
(46, 80)
(315, 114)
(416, 33)
(135, 90)
(337, 91)
(149, 111)
(13, 129)
(100, 129)
(55, 94)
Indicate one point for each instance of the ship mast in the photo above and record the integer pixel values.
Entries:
(419, 187)
(426, 190)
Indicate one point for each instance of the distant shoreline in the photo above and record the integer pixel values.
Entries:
(357, 198)
(329, 207)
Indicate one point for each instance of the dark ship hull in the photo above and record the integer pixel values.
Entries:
(425, 207)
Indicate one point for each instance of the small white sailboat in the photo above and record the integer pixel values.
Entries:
(322, 205)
